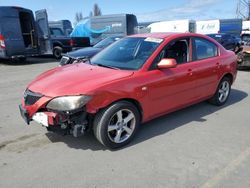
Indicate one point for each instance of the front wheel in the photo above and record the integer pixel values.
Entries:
(222, 92)
(116, 125)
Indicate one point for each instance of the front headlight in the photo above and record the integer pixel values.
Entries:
(68, 103)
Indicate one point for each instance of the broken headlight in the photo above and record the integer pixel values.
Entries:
(68, 103)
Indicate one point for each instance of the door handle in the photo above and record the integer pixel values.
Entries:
(190, 72)
(218, 65)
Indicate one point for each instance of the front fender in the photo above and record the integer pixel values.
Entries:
(103, 99)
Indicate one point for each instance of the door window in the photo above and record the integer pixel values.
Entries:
(178, 50)
(203, 49)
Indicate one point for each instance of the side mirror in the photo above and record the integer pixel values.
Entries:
(167, 63)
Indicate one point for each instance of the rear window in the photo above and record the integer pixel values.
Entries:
(56, 32)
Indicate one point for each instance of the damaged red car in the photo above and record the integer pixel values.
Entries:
(134, 80)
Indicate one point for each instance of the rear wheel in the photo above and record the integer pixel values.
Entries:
(116, 125)
(222, 92)
(57, 52)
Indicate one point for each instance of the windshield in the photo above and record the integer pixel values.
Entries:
(106, 42)
(127, 53)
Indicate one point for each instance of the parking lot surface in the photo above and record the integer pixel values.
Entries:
(200, 146)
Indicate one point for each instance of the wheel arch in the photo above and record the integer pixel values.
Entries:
(228, 75)
(55, 44)
(133, 101)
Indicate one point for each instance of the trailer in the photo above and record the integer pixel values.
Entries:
(245, 27)
(231, 26)
(99, 27)
(208, 27)
(172, 26)
(228, 26)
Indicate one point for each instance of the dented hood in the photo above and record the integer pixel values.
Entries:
(75, 79)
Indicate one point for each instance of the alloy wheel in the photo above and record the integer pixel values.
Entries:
(224, 91)
(121, 126)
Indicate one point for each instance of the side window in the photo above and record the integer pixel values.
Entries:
(203, 49)
(178, 50)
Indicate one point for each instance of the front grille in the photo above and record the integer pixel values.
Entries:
(30, 97)
(64, 61)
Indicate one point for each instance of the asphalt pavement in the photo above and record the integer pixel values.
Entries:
(200, 146)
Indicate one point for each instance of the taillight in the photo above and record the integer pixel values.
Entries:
(2, 44)
(72, 42)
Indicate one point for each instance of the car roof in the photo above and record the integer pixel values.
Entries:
(166, 35)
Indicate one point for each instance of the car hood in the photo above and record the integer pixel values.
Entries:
(75, 79)
(90, 51)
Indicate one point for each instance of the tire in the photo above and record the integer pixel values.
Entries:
(57, 52)
(111, 126)
(18, 60)
(222, 93)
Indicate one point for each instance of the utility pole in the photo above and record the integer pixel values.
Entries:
(243, 9)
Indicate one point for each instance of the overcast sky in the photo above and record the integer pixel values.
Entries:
(145, 10)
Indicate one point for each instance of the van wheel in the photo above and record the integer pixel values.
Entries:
(116, 125)
(222, 92)
(57, 52)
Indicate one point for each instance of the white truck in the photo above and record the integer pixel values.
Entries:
(245, 27)
(172, 26)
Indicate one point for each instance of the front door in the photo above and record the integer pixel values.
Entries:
(173, 88)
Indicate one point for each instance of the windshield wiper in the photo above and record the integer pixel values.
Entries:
(107, 66)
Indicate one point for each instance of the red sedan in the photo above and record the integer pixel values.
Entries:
(134, 80)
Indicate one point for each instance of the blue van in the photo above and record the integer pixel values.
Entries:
(20, 33)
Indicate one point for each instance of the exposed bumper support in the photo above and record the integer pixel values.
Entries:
(73, 123)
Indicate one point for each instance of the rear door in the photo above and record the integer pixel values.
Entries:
(10, 31)
(206, 67)
(43, 31)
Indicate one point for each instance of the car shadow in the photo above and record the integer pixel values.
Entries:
(30, 61)
(86, 142)
(156, 127)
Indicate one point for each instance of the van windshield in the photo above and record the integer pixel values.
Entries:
(127, 53)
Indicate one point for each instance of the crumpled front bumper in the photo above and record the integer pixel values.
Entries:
(24, 114)
(33, 108)
(52, 119)
(29, 109)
